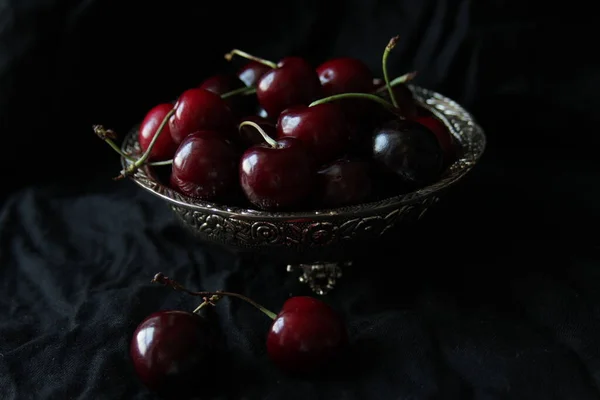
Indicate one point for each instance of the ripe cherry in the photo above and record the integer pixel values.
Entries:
(345, 75)
(165, 147)
(276, 174)
(409, 150)
(322, 128)
(250, 136)
(199, 109)
(293, 82)
(173, 352)
(343, 182)
(443, 135)
(252, 72)
(290, 82)
(306, 335)
(205, 166)
(222, 84)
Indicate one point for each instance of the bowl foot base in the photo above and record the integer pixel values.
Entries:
(320, 276)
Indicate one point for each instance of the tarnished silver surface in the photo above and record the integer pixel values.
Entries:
(322, 236)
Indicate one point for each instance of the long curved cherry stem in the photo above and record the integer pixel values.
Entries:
(108, 135)
(366, 96)
(270, 141)
(236, 52)
(146, 154)
(243, 91)
(386, 53)
(209, 297)
(399, 80)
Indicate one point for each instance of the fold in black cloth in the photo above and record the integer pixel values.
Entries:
(487, 315)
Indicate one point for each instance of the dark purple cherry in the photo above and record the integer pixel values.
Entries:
(205, 166)
(345, 75)
(409, 150)
(250, 136)
(322, 128)
(225, 83)
(165, 147)
(443, 135)
(199, 110)
(277, 174)
(343, 182)
(173, 352)
(252, 72)
(306, 335)
(294, 82)
(405, 98)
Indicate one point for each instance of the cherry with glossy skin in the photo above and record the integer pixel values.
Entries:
(173, 352)
(250, 136)
(408, 150)
(443, 135)
(293, 82)
(277, 174)
(205, 166)
(251, 73)
(199, 109)
(306, 335)
(225, 83)
(345, 75)
(322, 128)
(344, 182)
(165, 147)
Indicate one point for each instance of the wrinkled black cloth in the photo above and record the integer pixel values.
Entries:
(494, 295)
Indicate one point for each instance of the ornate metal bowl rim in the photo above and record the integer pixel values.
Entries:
(460, 123)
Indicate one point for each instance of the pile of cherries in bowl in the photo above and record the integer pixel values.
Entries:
(288, 136)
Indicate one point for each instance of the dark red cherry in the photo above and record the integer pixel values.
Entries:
(306, 335)
(409, 150)
(322, 128)
(443, 135)
(250, 136)
(343, 182)
(197, 110)
(405, 99)
(205, 166)
(294, 82)
(252, 72)
(225, 83)
(278, 175)
(165, 147)
(173, 352)
(345, 75)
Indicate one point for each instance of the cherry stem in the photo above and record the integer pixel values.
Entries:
(209, 297)
(366, 96)
(399, 80)
(236, 52)
(386, 53)
(108, 135)
(243, 91)
(268, 139)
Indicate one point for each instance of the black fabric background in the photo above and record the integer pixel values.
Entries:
(496, 295)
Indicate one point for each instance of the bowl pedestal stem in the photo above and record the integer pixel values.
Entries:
(320, 276)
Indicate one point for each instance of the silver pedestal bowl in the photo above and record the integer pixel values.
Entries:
(320, 243)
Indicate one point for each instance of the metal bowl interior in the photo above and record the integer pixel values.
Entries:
(460, 123)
